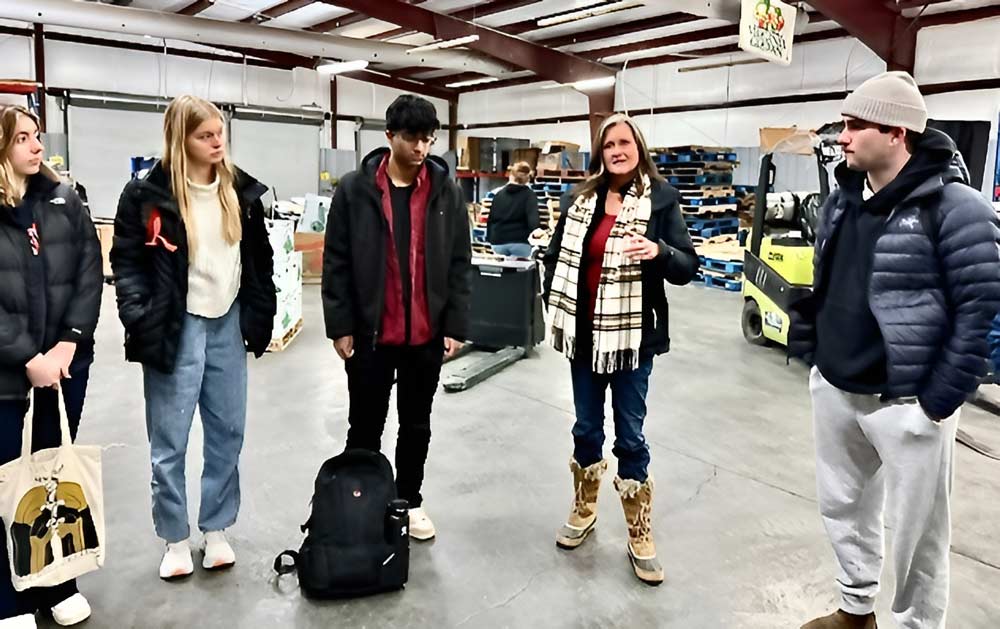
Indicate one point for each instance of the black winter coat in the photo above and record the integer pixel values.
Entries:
(354, 257)
(74, 280)
(152, 281)
(513, 215)
(677, 263)
(934, 289)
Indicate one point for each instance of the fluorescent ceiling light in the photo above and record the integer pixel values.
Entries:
(583, 14)
(470, 82)
(449, 43)
(339, 67)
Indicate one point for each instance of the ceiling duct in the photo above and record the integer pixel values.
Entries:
(208, 32)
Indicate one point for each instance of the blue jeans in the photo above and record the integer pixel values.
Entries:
(45, 434)
(514, 250)
(628, 400)
(211, 372)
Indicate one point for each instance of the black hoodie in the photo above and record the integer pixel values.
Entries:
(850, 350)
(513, 215)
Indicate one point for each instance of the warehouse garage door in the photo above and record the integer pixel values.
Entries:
(284, 156)
(102, 142)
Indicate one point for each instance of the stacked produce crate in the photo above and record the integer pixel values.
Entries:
(287, 282)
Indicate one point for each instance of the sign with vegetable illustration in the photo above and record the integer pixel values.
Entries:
(767, 28)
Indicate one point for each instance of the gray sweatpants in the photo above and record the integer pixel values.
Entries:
(865, 449)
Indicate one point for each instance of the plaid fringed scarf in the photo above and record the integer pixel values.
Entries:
(618, 315)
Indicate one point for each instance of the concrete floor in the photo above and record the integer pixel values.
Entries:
(735, 514)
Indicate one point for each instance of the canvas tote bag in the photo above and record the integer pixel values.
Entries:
(52, 505)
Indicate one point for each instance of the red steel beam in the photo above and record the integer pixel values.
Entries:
(890, 35)
(195, 7)
(472, 13)
(625, 28)
(346, 20)
(958, 17)
(278, 11)
(659, 42)
(39, 45)
(545, 62)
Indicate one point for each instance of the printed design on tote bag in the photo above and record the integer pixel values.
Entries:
(53, 520)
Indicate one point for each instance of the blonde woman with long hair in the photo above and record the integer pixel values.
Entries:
(50, 270)
(193, 273)
(620, 236)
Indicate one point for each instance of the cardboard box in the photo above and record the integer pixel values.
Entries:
(529, 155)
(106, 235)
(314, 214)
(787, 140)
(311, 246)
(288, 274)
(281, 234)
(289, 313)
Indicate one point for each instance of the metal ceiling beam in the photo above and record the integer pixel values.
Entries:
(547, 63)
(890, 35)
(469, 14)
(112, 19)
(277, 11)
(195, 8)
(958, 17)
(626, 28)
(660, 42)
(289, 61)
(346, 20)
(691, 55)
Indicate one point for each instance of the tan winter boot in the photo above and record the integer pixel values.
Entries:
(637, 502)
(583, 516)
(842, 620)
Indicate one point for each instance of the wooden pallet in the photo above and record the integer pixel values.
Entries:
(709, 210)
(709, 192)
(280, 345)
(565, 173)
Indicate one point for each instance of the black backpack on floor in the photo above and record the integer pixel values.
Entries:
(357, 540)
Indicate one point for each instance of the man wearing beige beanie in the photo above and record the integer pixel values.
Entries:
(906, 283)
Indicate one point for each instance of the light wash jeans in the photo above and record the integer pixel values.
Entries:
(211, 372)
(515, 250)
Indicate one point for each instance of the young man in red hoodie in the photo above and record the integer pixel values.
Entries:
(396, 285)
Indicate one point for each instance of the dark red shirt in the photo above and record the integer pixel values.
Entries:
(593, 260)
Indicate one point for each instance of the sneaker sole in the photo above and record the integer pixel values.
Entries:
(72, 621)
(176, 577)
(219, 567)
(423, 538)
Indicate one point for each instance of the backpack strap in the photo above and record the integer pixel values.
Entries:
(281, 568)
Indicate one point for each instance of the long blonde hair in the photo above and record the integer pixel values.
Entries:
(12, 187)
(184, 115)
(598, 173)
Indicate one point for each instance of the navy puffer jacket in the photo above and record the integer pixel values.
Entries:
(934, 289)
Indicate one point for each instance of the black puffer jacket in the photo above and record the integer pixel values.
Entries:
(934, 288)
(677, 262)
(74, 281)
(513, 215)
(151, 276)
(354, 257)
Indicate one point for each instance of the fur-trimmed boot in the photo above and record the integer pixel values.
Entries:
(842, 620)
(583, 515)
(637, 502)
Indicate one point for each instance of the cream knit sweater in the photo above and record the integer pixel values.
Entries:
(214, 274)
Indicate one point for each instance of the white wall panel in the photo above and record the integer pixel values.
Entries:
(520, 103)
(958, 52)
(281, 155)
(16, 57)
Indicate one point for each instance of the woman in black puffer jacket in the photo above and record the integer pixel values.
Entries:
(193, 273)
(50, 270)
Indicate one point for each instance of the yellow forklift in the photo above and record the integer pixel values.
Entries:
(778, 260)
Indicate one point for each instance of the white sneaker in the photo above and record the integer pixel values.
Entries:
(24, 621)
(421, 527)
(218, 553)
(73, 610)
(177, 562)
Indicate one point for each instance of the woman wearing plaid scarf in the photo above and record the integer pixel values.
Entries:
(620, 235)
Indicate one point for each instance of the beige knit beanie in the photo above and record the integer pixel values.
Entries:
(891, 98)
